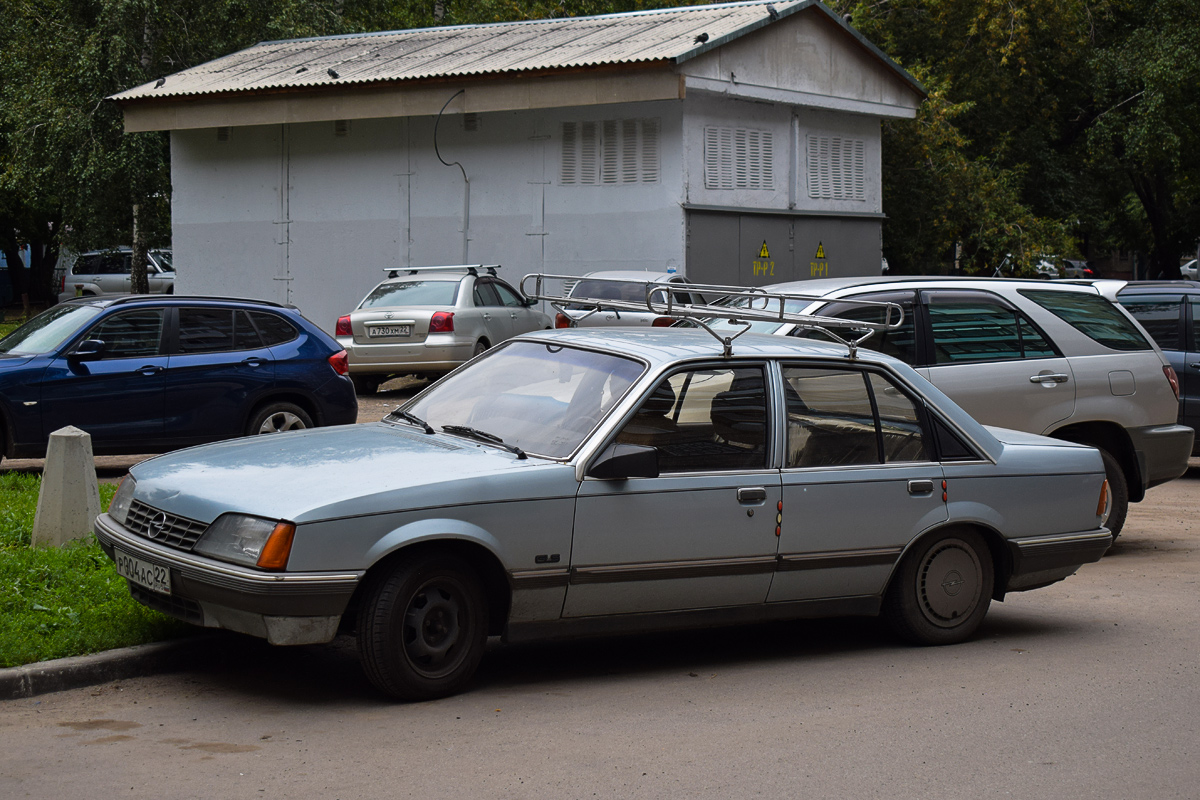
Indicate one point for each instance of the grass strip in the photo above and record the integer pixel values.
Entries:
(68, 601)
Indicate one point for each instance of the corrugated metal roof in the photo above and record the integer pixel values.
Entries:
(507, 47)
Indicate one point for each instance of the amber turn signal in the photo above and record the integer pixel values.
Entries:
(275, 552)
(1103, 499)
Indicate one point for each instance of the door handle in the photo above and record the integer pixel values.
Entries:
(486, 315)
(254, 361)
(920, 487)
(1056, 377)
(752, 495)
(1194, 365)
(150, 369)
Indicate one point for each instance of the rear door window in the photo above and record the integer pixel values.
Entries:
(206, 330)
(1091, 315)
(974, 326)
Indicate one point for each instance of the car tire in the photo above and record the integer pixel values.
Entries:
(422, 628)
(1118, 494)
(366, 384)
(481, 347)
(942, 589)
(278, 418)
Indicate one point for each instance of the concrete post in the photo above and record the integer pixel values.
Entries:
(69, 501)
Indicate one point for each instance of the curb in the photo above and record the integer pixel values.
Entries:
(76, 672)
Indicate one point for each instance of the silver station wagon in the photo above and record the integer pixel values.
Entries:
(612, 480)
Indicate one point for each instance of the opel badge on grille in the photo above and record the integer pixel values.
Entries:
(158, 525)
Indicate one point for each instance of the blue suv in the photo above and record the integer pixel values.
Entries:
(146, 374)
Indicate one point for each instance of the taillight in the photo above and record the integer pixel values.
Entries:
(662, 322)
(1173, 379)
(442, 322)
(343, 327)
(340, 362)
(561, 320)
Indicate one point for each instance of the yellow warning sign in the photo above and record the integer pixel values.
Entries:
(820, 250)
(763, 252)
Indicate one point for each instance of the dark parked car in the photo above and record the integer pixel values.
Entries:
(148, 373)
(1170, 313)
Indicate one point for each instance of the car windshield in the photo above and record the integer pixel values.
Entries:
(542, 398)
(164, 260)
(412, 293)
(47, 331)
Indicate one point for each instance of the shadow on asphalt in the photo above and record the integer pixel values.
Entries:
(330, 674)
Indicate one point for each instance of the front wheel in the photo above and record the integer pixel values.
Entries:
(942, 589)
(422, 628)
(278, 418)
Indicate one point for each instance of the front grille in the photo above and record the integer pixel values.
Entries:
(164, 528)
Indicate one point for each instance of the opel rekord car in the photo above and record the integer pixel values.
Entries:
(426, 321)
(150, 373)
(1050, 358)
(590, 481)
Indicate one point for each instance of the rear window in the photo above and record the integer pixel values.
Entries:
(1093, 316)
(412, 293)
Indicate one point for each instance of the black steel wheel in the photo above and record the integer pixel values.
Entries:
(942, 590)
(1117, 507)
(422, 628)
(278, 418)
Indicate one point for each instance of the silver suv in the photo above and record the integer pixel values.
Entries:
(1053, 359)
(105, 272)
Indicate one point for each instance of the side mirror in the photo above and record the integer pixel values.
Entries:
(87, 350)
(623, 461)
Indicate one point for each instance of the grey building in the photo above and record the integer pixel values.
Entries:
(737, 143)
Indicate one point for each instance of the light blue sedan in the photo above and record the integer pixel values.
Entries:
(601, 481)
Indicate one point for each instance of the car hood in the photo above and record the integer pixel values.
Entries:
(341, 471)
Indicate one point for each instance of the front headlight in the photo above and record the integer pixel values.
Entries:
(118, 507)
(252, 541)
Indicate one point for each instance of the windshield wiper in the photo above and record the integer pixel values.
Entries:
(484, 436)
(408, 416)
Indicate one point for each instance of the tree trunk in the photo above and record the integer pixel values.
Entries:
(138, 282)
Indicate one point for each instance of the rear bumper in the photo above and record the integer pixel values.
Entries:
(284, 608)
(1042, 560)
(438, 353)
(1162, 452)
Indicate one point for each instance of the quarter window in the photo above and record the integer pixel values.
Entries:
(130, 334)
(1091, 315)
(272, 328)
(896, 342)
(704, 420)
(845, 417)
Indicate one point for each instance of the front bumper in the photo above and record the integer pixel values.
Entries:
(284, 608)
(1162, 452)
(1042, 560)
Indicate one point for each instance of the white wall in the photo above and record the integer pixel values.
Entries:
(298, 214)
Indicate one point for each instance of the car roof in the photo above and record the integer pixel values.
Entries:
(660, 346)
(826, 287)
(170, 299)
(634, 275)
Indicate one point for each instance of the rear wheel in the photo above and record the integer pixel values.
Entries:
(942, 590)
(481, 347)
(278, 418)
(422, 628)
(1117, 507)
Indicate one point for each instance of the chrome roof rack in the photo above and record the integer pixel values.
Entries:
(394, 272)
(739, 304)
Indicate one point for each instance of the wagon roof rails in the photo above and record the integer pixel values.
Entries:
(169, 298)
(758, 305)
(473, 269)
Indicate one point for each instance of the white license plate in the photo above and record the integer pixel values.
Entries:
(143, 573)
(374, 331)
